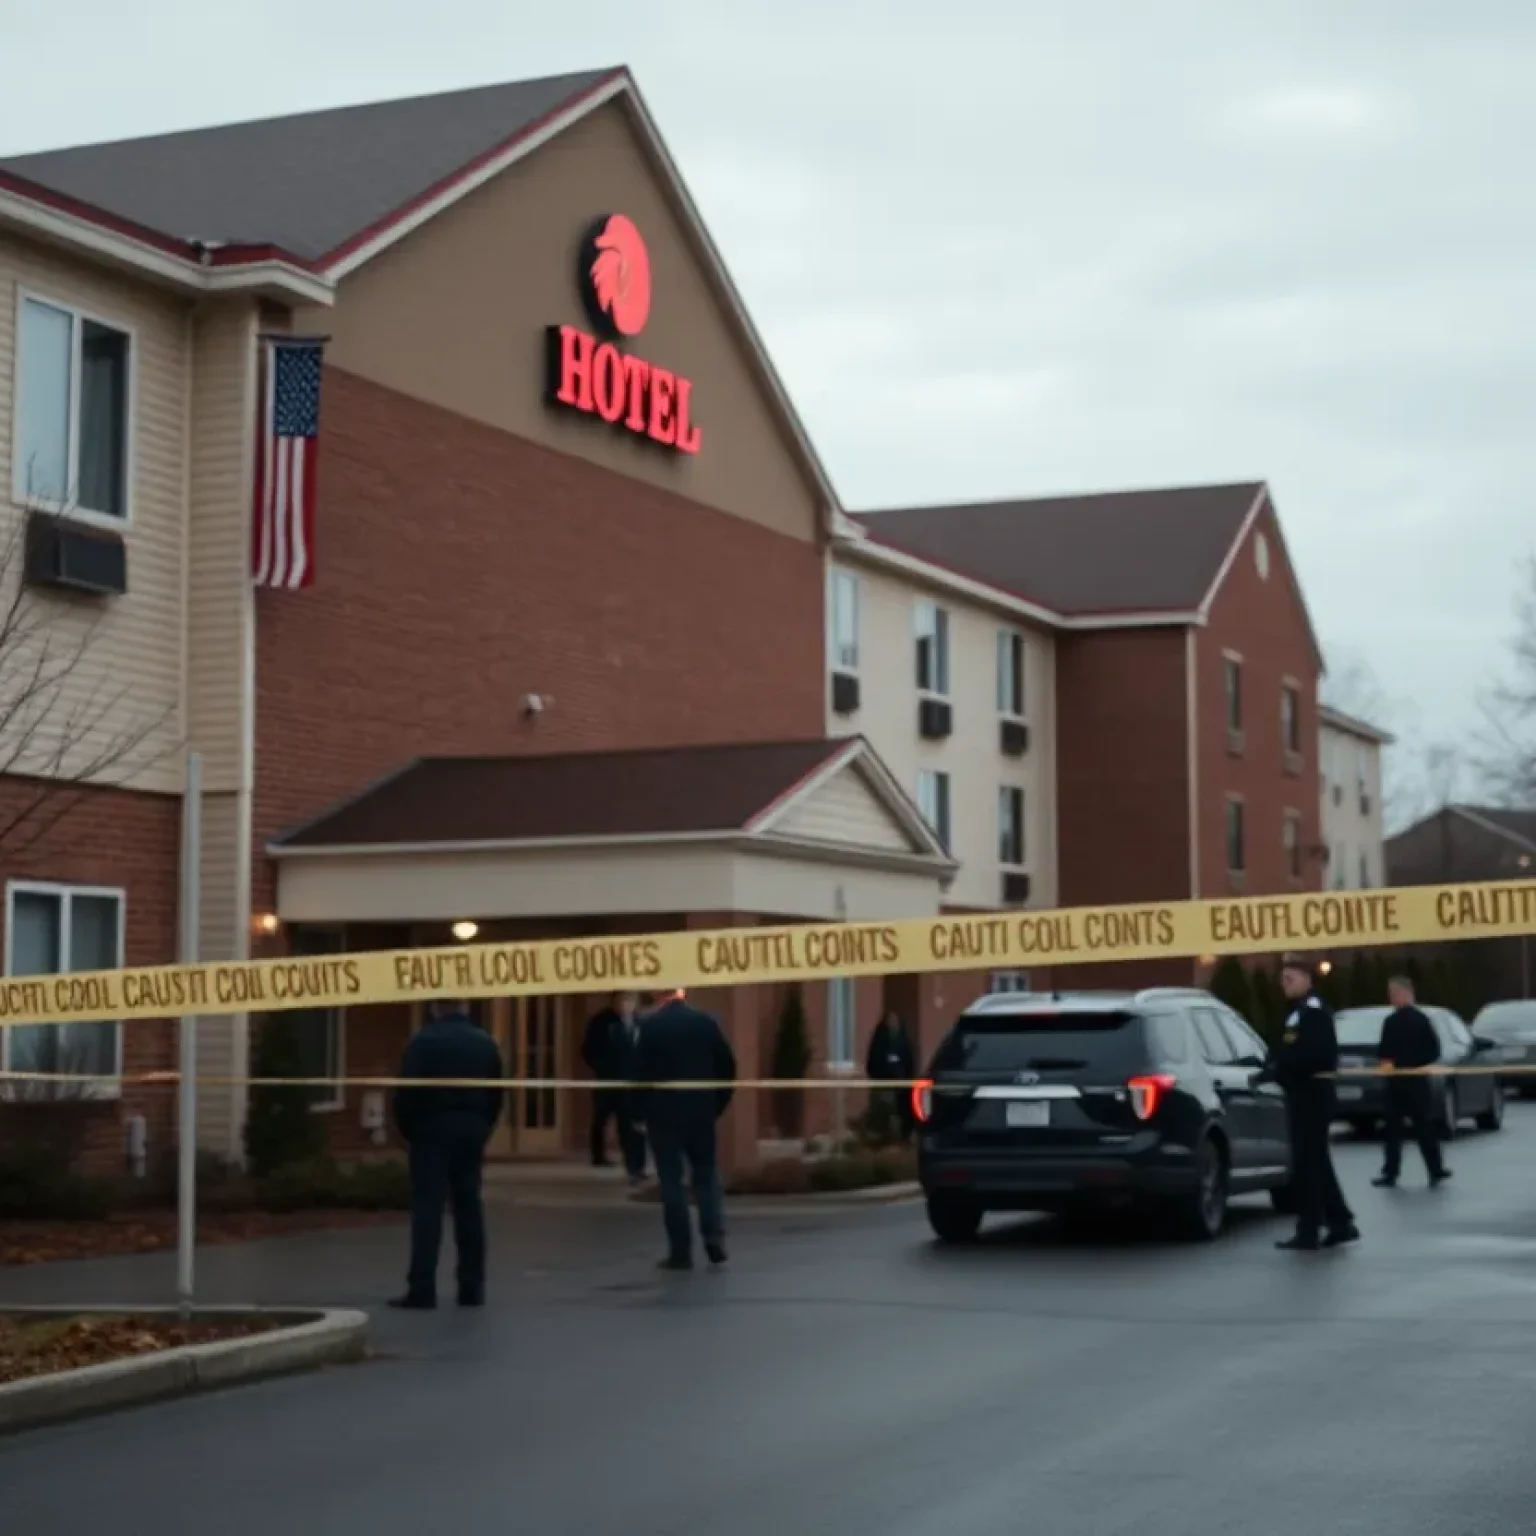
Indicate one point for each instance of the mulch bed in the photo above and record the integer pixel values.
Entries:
(40, 1346)
(46, 1242)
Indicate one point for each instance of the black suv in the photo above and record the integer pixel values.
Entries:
(1039, 1102)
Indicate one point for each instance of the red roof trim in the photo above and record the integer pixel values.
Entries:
(464, 172)
(94, 215)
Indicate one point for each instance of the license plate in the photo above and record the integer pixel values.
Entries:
(1021, 1113)
(1349, 1094)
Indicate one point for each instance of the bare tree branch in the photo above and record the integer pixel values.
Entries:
(1506, 744)
(67, 723)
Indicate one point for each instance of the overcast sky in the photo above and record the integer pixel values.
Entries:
(1018, 246)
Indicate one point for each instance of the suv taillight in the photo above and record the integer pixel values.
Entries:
(922, 1100)
(1147, 1093)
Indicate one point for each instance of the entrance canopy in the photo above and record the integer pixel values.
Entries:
(803, 829)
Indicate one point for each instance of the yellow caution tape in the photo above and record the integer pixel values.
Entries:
(800, 952)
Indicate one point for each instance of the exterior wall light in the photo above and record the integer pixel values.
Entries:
(464, 930)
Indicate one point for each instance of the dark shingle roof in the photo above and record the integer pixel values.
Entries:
(1125, 551)
(308, 183)
(585, 794)
(1520, 825)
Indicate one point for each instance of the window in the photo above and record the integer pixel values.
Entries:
(932, 649)
(321, 1031)
(72, 411)
(1290, 718)
(933, 801)
(1235, 838)
(1292, 839)
(1365, 872)
(52, 929)
(1010, 825)
(1169, 1038)
(1341, 868)
(1245, 1044)
(1214, 1045)
(1010, 673)
(842, 1022)
(845, 621)
(1233, 667)
(1009, 981)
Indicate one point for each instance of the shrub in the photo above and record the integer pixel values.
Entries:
(35, 1186)
(1230, 983)
(322, 1184)
(791, 1059)
(280, 1128)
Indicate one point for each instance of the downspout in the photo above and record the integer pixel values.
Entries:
(1192, 758)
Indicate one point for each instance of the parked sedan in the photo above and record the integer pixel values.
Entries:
(1512, 1027)
(1476, 1096)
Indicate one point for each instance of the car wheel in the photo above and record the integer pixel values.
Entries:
(1492, 1118)
(1283, 1198)
(954, 1218)
(1202, 1213)
(1450, 1113)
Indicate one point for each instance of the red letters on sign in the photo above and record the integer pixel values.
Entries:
(597, 379)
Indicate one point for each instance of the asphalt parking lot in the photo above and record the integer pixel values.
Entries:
(847, 1375)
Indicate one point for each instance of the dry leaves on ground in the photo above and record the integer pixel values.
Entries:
(39, 1346)
(45, 1242)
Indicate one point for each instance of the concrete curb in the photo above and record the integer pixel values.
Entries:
(312, 1338)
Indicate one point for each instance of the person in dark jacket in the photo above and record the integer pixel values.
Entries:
(680, 1044)
(608, 1048)
(446, 1130)
(1409, 1044)
(1303, 1065)
(891, 1059)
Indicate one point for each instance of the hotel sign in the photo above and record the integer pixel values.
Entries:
(592, 372)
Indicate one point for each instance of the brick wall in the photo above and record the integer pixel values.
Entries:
(118, 839)
(1261, 619)
(460, 568)
(1122, 782)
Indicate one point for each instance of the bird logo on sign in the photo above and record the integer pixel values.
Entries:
(621, 275)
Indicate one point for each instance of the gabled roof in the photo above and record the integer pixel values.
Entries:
(1352, 725)
(306, 184)
(1157, 552)
(1517, 827)
(706, 793)
(291, 205)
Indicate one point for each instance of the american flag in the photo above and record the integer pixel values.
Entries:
(287, 458)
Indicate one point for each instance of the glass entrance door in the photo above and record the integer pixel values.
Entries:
(538, 1110)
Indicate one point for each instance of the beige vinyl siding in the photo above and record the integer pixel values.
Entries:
(219, 607)
(844, 810)
(128, 681)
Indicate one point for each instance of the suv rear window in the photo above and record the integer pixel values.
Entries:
(1107, 1041)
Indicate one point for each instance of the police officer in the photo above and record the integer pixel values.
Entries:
(682, 1044)
(1409, 1041)
(446, 1130)
(1303, 1066)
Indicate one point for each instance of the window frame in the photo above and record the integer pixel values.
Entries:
(1232, 698)
(335, 1020)
(1290, 843)
(943, 800)
(1290, 720)
(79, 314)
(1010, 644)
(1012, 794)
(1236, 803)
(842, 992)
(64, 892)
(939, 686)
(839, 578)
